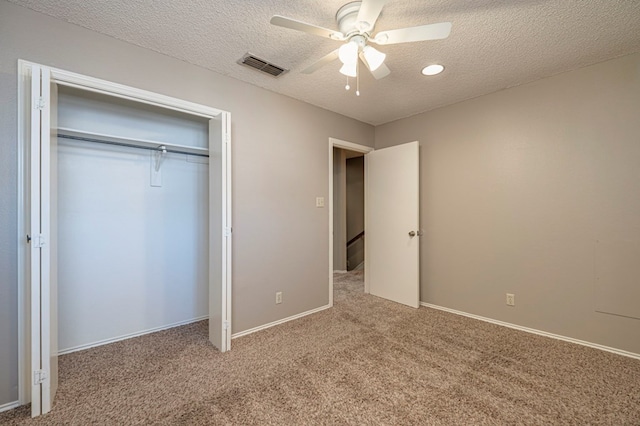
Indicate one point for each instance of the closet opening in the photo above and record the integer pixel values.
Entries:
(125, 218)
(132, 212)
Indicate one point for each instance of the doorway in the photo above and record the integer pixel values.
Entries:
(146, 211)
(392, 199)
(346, 232)
(348, 210)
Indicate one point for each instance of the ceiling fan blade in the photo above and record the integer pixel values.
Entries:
(322, 62)
(381, 72)
(368, 14)
(293, 24)
(420, 33)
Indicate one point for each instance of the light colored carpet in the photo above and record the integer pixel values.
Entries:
(365, 362)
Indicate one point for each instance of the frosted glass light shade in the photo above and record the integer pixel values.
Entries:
(349, 70)
(374, 57)
(348, 53)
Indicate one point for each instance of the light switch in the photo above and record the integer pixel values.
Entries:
(319, 201)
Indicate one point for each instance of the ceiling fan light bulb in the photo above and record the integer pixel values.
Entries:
(348, 53)
(374, 57)
(349, 70)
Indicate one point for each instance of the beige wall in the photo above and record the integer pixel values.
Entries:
(339, 210)
(280, 165)
(530, 191)
(355, 209)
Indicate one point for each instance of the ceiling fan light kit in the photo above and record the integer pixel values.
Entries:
(356, 21)
(350, 70)
(348, 53)
(374, 57)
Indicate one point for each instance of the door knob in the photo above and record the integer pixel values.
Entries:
(412, 233)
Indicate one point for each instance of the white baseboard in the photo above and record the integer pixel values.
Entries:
(281, 321)
(177, 324)
(130, 335)
(534, 331)
(9, 406)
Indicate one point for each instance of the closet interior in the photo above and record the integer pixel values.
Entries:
(130, 202)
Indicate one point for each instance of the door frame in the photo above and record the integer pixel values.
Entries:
(92, 84)
(338, 143)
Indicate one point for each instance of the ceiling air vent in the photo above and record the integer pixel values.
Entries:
(262, 65)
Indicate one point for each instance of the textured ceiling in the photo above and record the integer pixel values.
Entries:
(493, 44)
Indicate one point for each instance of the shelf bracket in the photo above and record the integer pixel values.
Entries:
(157, 156)
(160, 153)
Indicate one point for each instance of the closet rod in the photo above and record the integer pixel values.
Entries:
(130, 145)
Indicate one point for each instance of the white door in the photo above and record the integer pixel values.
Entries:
(392, 224)
(44, 321)
(220, 232)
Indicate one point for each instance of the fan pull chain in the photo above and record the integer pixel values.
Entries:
(347, 87)
(357, 78)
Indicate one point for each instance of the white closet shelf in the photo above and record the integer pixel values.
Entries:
(140, 143)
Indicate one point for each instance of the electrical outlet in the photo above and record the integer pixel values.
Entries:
(511, 299)
(320, 202)
(278, 297)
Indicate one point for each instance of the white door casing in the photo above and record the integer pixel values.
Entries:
(392, 214)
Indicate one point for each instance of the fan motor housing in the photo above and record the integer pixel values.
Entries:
(347, 19)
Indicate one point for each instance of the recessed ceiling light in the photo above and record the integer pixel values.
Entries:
(432, 69)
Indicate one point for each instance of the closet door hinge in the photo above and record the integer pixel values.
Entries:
(39, 377)
(38, 103)
(225, 325)
(37, 240)
(227, 231)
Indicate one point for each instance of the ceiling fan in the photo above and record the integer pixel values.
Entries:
(356, 21)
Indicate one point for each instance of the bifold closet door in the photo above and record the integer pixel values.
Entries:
(219, 233)
(186, 248)
(43, 241)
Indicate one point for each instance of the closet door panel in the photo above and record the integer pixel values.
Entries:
(50, 339)
(217, 316)
(35, 255)
(42, 260)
